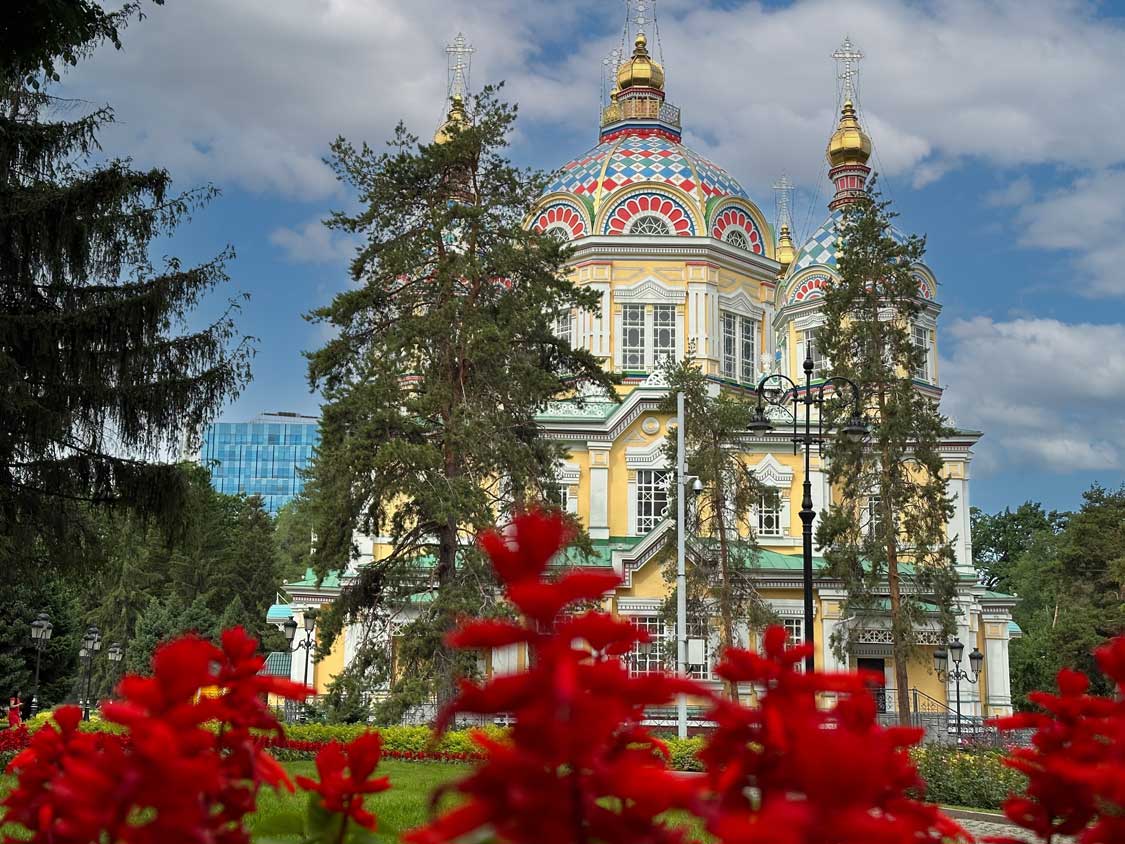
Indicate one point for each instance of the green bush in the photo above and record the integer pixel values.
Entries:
(974, 778)
(683, 753)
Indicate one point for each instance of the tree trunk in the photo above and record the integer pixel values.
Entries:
(718, 502)
(900, 647)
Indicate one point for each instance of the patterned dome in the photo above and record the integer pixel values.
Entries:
(820, 249)
(599, 176)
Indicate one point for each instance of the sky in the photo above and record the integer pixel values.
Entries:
(998, 129)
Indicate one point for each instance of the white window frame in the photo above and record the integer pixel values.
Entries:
(563, 326)
(663, 318)
(820, 362)
(735, 330)
(647, 658)
(767, 508)
(651, 486)
(634, 353)
(922, 337)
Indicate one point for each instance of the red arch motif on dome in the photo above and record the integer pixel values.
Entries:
(733, 218)
(924, 288)
(561, 215)
(810, 287)
(674, 213)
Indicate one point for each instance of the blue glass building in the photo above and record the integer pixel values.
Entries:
(261, 457)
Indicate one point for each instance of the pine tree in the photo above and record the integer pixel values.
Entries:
(100, 375)
(722, 551)
(444, 354)
(886, 532)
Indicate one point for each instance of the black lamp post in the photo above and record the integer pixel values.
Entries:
(41, 630)
(116, 653)
(957, 674)
(91, 644)
(290, 627)
(855, 429)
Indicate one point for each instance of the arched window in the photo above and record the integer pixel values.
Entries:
(558, 231)
(737, 238)
(651, 225)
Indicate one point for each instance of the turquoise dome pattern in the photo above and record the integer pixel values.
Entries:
(640, 156)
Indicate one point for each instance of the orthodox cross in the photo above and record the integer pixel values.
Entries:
(849, 55)
(783, 192)
(459, 55)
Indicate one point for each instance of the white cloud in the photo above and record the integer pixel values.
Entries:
(313, 243)
(1087, 218)
(1016, 193)
(1046, 393)
(251, 92)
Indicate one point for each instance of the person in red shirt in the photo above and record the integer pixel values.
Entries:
(14, 705)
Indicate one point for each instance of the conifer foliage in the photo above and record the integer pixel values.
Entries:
(444, 352)
(99, 371)
(887, 529)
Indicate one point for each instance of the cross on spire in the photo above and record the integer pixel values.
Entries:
(639, 19)
(459, 55)
(783, 193)
(849, 55)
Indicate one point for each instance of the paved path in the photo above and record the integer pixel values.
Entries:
(981, 829)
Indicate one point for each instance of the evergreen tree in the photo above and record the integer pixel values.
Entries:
(722, 551)
(999, 540)
(293, 536)
(443, 355)
(886, 532)
(100, 374)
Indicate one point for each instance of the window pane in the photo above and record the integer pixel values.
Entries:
(922, 341)
(730, 349)
(769, 514)
(633, 338)
(809, 348)
(749, 350)
(648, 657)
(664, 333)
(652, 499)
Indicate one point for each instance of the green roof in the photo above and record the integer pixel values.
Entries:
(278, 664)
(1014, 629)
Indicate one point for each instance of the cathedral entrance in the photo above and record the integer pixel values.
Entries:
(877, 666)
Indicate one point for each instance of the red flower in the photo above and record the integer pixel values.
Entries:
(1076, 763)
(342, 792)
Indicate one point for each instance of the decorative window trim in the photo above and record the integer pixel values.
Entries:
(649, 456)
(649, 291)
(567, 473)
(771, 472)
(741, 304)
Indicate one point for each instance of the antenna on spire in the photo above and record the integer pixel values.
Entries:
(848, 55)
(459, 55)
(783, 198)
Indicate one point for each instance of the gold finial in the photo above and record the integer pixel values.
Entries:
(786, 252)
(640, 70)
(455, 116)
(849, 144)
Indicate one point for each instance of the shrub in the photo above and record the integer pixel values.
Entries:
(977, 779)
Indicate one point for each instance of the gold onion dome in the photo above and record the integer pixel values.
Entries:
(849, 144)
(785, 252)
(455, 116)
(640, 70)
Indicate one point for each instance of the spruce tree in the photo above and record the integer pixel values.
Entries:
(722, 550)
(885, 534)
(444, 353)
(100, 374)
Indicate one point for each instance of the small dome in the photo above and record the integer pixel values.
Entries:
(849, 144)
(640, 70)
(456, 116)
(785, 252)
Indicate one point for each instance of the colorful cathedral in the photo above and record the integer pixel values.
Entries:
(687, 265)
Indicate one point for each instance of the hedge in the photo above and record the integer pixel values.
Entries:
(975, 778)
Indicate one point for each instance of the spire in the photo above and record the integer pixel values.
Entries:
(849, 147)
(459, 55)
(637, 98)
(783, 194)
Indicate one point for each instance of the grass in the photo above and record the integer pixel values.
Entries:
(404, 806)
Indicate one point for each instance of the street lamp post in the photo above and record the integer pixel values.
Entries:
(41, 630)
(957, 674)
(116, 653)
(91, 644)
(290, 627)
(855, 429)
(682, 481)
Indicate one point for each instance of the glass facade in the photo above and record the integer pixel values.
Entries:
(262, 457)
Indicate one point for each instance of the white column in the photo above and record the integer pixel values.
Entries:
(599, 323)
(599, 489)
(996, 666)
(959, 523)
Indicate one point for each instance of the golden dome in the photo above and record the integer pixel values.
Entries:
(640, 69)
(785, 251)
(456, 116)
(849, 144)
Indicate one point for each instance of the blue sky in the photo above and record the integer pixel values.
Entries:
(998, 131)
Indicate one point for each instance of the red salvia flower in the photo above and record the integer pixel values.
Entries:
(770, 768)
(1076, 763)
(578, 765)
(345, 777)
